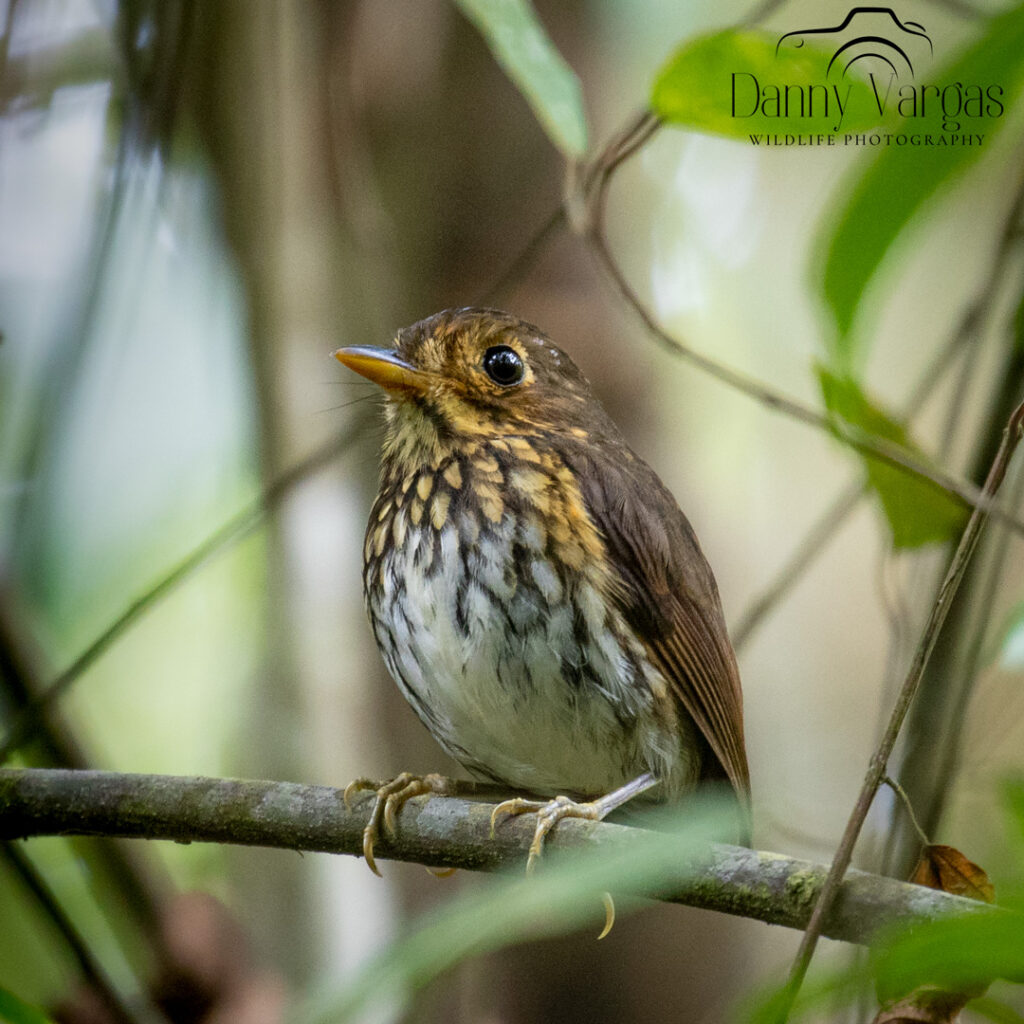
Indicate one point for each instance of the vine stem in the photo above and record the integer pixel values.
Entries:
(879, 761)
(596, 181)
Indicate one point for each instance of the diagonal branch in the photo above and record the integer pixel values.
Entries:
(895, 455)
(438, 832)
(970, 326)
(879, 761)
(807, 551)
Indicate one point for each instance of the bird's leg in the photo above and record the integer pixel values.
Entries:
(390, 798)
(550, 812)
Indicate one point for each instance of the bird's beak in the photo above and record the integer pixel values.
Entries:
(384, 367)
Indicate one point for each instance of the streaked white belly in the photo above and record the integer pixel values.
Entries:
(518, 674)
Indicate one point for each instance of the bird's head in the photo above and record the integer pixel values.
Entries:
(468, 375)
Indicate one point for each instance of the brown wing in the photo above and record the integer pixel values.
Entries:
(668, 595)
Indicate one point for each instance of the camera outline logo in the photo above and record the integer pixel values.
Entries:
(889, 41)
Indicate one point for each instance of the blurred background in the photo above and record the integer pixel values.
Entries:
(198, 203)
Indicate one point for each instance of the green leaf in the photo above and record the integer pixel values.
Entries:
(955, 954)
(962, 954)
(15, 1011)
(897, 180)
(564, 894)
(765, 1004)
(522, 47)
(917, 512)
(710, 83)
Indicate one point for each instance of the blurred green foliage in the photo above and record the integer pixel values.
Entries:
(917, 512)
(563, 894)
(14, 1011)
(693, 91)
(890, 189)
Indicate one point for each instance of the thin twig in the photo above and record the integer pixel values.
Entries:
(999, 564)
(438, 832)
(969, 325)
(909, 808)
(761, 11)
(962, 491)
(235, 528)
(933, 742)
(638, 133)
(960, 9)
(813, 542)
(933, 735)
(880, 759)
(92, 971)
(828, 524)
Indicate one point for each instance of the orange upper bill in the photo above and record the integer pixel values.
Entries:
(384, 367)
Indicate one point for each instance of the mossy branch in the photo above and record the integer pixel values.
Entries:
(438, 832)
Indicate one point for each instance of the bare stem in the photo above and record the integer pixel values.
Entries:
(636, 134)
(526, 257)
(879, 761)
(901, 793)
(815, 540)
(860, 440)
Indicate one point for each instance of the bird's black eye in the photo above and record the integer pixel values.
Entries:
(503, 365)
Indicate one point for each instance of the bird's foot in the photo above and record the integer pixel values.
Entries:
(549, 813)
(390, 797)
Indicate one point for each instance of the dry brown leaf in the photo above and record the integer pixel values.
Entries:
(946, 868)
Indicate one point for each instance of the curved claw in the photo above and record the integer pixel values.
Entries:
(390, 798)
(537, 846)
(512, 807)
(394, 802)
(369, 838)
(441, 872)
(498, 810)
(549, 813)
(609, 914)
(357, 786)
(549, 816)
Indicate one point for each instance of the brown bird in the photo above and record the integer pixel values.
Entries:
(535, 591)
